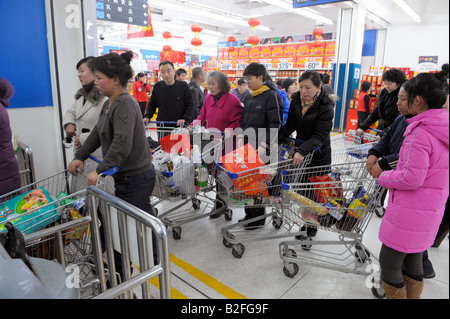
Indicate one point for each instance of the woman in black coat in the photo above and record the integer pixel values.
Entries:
(311, 116)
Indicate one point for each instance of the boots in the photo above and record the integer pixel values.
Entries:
(394, 292)
(413, 287)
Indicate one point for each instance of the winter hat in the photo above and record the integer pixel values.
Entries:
(6, 91)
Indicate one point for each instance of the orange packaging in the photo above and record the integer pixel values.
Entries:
(254, 52)
(243, 53)
(277, 51)
(243, 161)
(265, 51)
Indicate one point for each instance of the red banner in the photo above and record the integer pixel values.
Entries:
(173, 56)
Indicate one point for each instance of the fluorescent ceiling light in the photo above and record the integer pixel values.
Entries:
(405, 7)
(190, 10)
(307, 14)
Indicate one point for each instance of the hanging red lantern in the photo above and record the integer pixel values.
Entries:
(317, 32)
(231, 49)
(253, 40)
(196, 42)
(231, 39)
(167, 48)
(167, 35)
(196, 28)
(254, 22)
(317, 44)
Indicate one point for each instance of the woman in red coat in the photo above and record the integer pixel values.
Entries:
(140, 90)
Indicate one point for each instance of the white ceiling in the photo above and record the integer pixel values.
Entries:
(278, 18)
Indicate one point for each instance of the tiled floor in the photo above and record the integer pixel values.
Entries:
(202, 267)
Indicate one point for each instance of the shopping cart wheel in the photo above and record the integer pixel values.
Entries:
(196, 203)
(361, 255)
(226, 243)
(228, 214)
(379, 211)
(238, 250)
(176, 232)
(277, 222)
(305, 238)
(290, 270)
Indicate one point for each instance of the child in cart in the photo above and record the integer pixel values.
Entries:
(419, 188)
(262, 114)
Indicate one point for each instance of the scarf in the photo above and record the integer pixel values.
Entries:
(217, 97)
(260, 90)
(306, 106)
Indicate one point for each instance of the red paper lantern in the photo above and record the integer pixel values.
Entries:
(167, 48)
(254, 22)
(196, 28)
(317, 32)
(231, 39)
(196, 42)
(317, 44)
(231, 49)
(167, 35)
(253, 40)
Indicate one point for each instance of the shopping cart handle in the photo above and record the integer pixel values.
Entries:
(301, 142)
(230, 174)
(109, 172)
(161, 122)
(376, 130)
(285, 186)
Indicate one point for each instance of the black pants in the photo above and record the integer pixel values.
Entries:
(143, 107)
(362, 116)
(136, 190)
(392, 261)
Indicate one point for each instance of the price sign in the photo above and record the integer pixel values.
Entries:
(313, 64)
(268, 66)
(226, 66)
(285, 65)
(241, 66)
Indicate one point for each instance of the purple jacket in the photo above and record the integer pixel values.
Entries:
(9, 170)
(419, 186)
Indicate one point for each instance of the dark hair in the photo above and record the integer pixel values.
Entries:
(241, 81)
(445, 74)
(89, 61)
(325, 77)
(222, 80)
(279, 82)
(394, 75)
(180, 71)
(113, 65)
(140, 75)
(365, 86)
(166, 62)
(255, 69)
(196, 72)
(287, 83)
(429, 86)
(311, 75)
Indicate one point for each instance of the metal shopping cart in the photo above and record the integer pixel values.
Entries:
(348, 147)
(47, 203)
(191, 182)
(257, 188)
(339, 200)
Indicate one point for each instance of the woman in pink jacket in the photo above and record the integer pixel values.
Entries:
(221, 111)
(418, 189)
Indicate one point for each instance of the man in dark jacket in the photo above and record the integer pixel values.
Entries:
(198, 96)
(261, 114)
(171, 97)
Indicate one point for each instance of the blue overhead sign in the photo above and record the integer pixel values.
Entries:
(308, 3)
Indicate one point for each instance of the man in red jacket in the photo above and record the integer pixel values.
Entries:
(140, 90)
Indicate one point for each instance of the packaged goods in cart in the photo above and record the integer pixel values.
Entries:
(243, 159)
(176, 144)
(16, 211)
(324, 190)
(317, 208)
(358, 206)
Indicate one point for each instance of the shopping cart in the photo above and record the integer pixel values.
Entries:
(263, 192)
(348, 147)
(190, 183)
(339, 200)
(47, 203)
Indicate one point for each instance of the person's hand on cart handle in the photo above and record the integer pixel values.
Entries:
(75, 166)
(146, 120)
(92, 178)
(298, 159)
(371, 161)
(376, 170)
(359, 132)
(180, 122)
(71, 129)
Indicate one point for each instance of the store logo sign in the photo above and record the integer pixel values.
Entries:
(73, 17)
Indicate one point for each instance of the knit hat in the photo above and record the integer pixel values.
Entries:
(6, 91)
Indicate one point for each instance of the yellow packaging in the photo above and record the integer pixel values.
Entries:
(358, 207)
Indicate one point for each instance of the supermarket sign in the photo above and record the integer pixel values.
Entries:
(308, 3)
